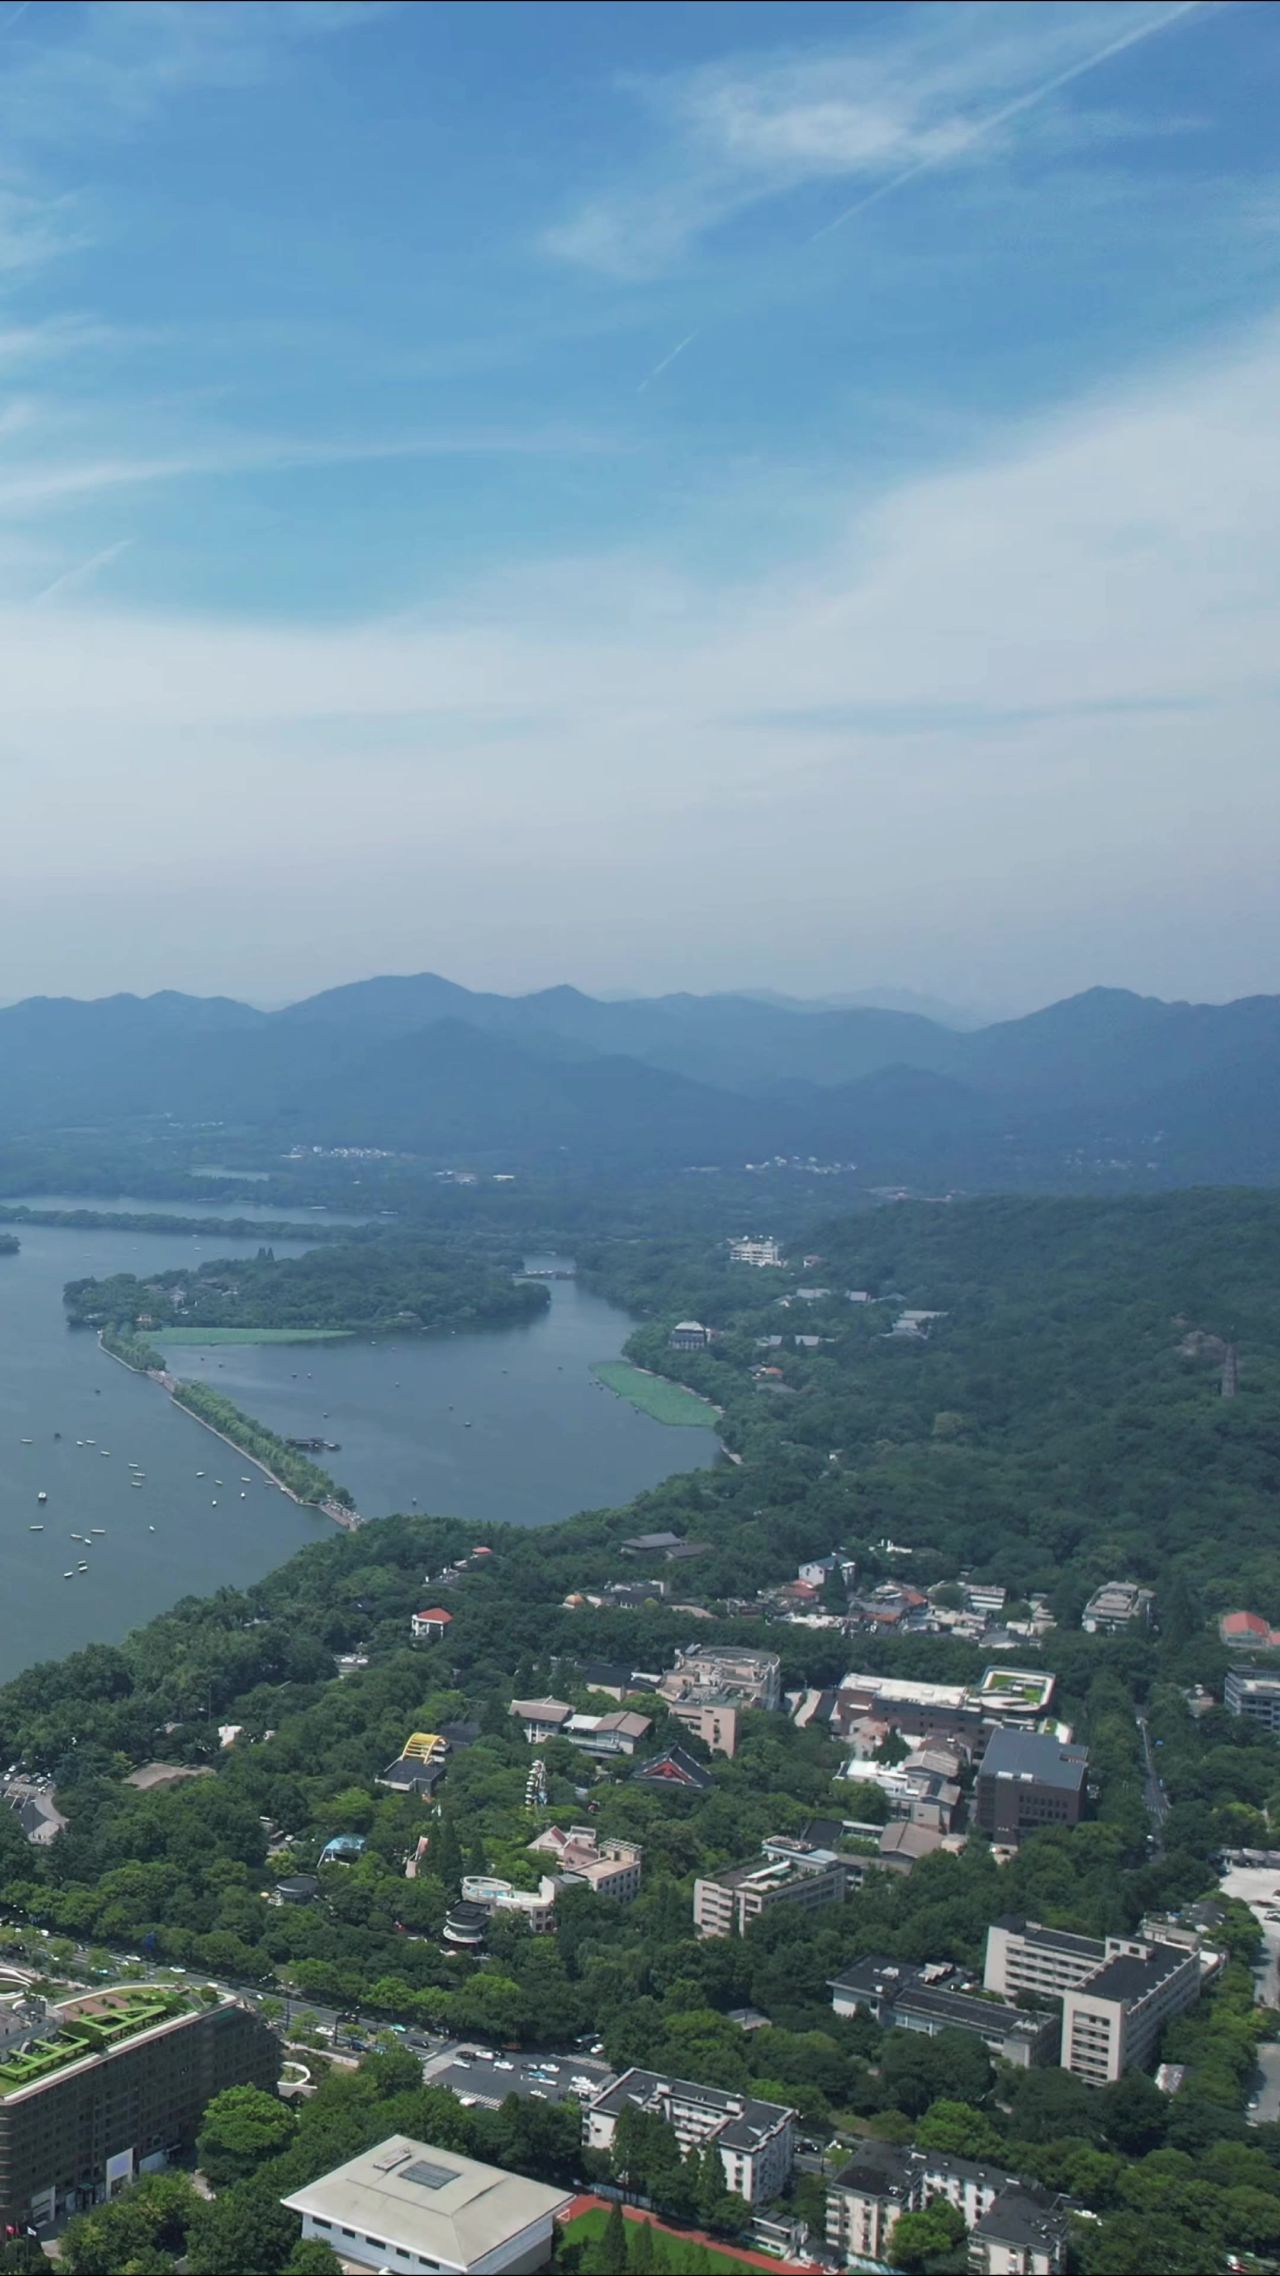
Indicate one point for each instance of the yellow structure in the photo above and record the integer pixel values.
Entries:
(426, 1746)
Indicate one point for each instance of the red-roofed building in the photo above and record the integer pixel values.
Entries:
(430, 1627)
(1249, 1629)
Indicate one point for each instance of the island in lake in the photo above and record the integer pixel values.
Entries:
(386, 1285)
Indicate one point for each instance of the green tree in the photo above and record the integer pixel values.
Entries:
(921, 2237)
(247, 2230)
(241, 2128)
(311, 2256)
(960, 2130)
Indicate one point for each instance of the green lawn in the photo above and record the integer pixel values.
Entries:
(666, 1402)
(671, 2253)
(248, 1335)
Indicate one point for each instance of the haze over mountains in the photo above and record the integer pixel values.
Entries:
(1104, 1085)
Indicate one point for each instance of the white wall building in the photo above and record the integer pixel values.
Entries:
(408, 2207)
(756, 2140)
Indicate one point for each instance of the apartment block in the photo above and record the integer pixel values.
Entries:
(1023, 1957)
(101, 2088)
(786, 1872)
(756, 2140)
(1016, 2229)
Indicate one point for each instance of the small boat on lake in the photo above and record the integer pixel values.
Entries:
(35, 1529)
(97, 1529)
(42, 1495)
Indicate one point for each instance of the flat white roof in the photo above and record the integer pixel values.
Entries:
(425, 2200)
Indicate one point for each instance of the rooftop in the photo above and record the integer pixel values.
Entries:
(747, 2121)
(1134, 1976)
(1032, 1755)
(95, 2025)
(449, 2210)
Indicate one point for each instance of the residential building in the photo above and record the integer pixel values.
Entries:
(1248, 1631)
(819, 1570)
(755, 1250)
(1027, 1779)
(1255, 1693)
(1006, 2216)
(689, 1335)
(408, 2206)
(786, 1872)
(296, 1889)
(544, 1719)
(541, 1719)
(1023, 2233)
(674, 1772)
(535, 1907)
(103, 2087)
(430, 1627)
(756, 2140)
(616, 1677)
(1117, 1996)
(608, 1866)
(1117, 1606)
(932, 1998)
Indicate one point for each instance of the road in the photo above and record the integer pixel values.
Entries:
(1153, 1793)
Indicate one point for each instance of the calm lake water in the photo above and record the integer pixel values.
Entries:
(544, 1440)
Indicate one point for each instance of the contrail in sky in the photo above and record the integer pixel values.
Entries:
(1013, 110)
(72, 578)
(667, 361)
(14, 14)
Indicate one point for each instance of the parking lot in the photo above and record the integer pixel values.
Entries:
(479, 2075)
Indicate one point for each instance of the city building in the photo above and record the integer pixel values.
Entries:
(1016, 2228)
(608, 1866)
(1248, 1631)
(1116, 1606)
(535, 1907)
(689, 1335)
(707, 1690)
(1255, 1693)
(1117, 1996)
(756, 1251)
(902, 1846)
(674, 1772)
(109, 2085)
(756, 2140)
(541, 1719)
(673, 1547)
(786, 1872)
(1112, 2022)
(430, 1627)
(408, 2206)
(411, 1774)
(930, 1999)
(1027, 1779)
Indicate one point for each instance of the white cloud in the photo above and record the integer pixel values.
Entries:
(922, 87)
(1029, 667)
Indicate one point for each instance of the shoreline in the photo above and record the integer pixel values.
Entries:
(349, 1519)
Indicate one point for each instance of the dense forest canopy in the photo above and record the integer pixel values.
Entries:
(385, 1283)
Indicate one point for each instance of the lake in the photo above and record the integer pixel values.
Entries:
(543, 1441)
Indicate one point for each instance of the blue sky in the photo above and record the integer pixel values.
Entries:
(657, 495)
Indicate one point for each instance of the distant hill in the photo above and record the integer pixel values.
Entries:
(1106, 1085)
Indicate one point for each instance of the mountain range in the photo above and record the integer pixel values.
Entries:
(1104, 1085)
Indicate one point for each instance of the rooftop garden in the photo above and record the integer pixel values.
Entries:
(118, 2016)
